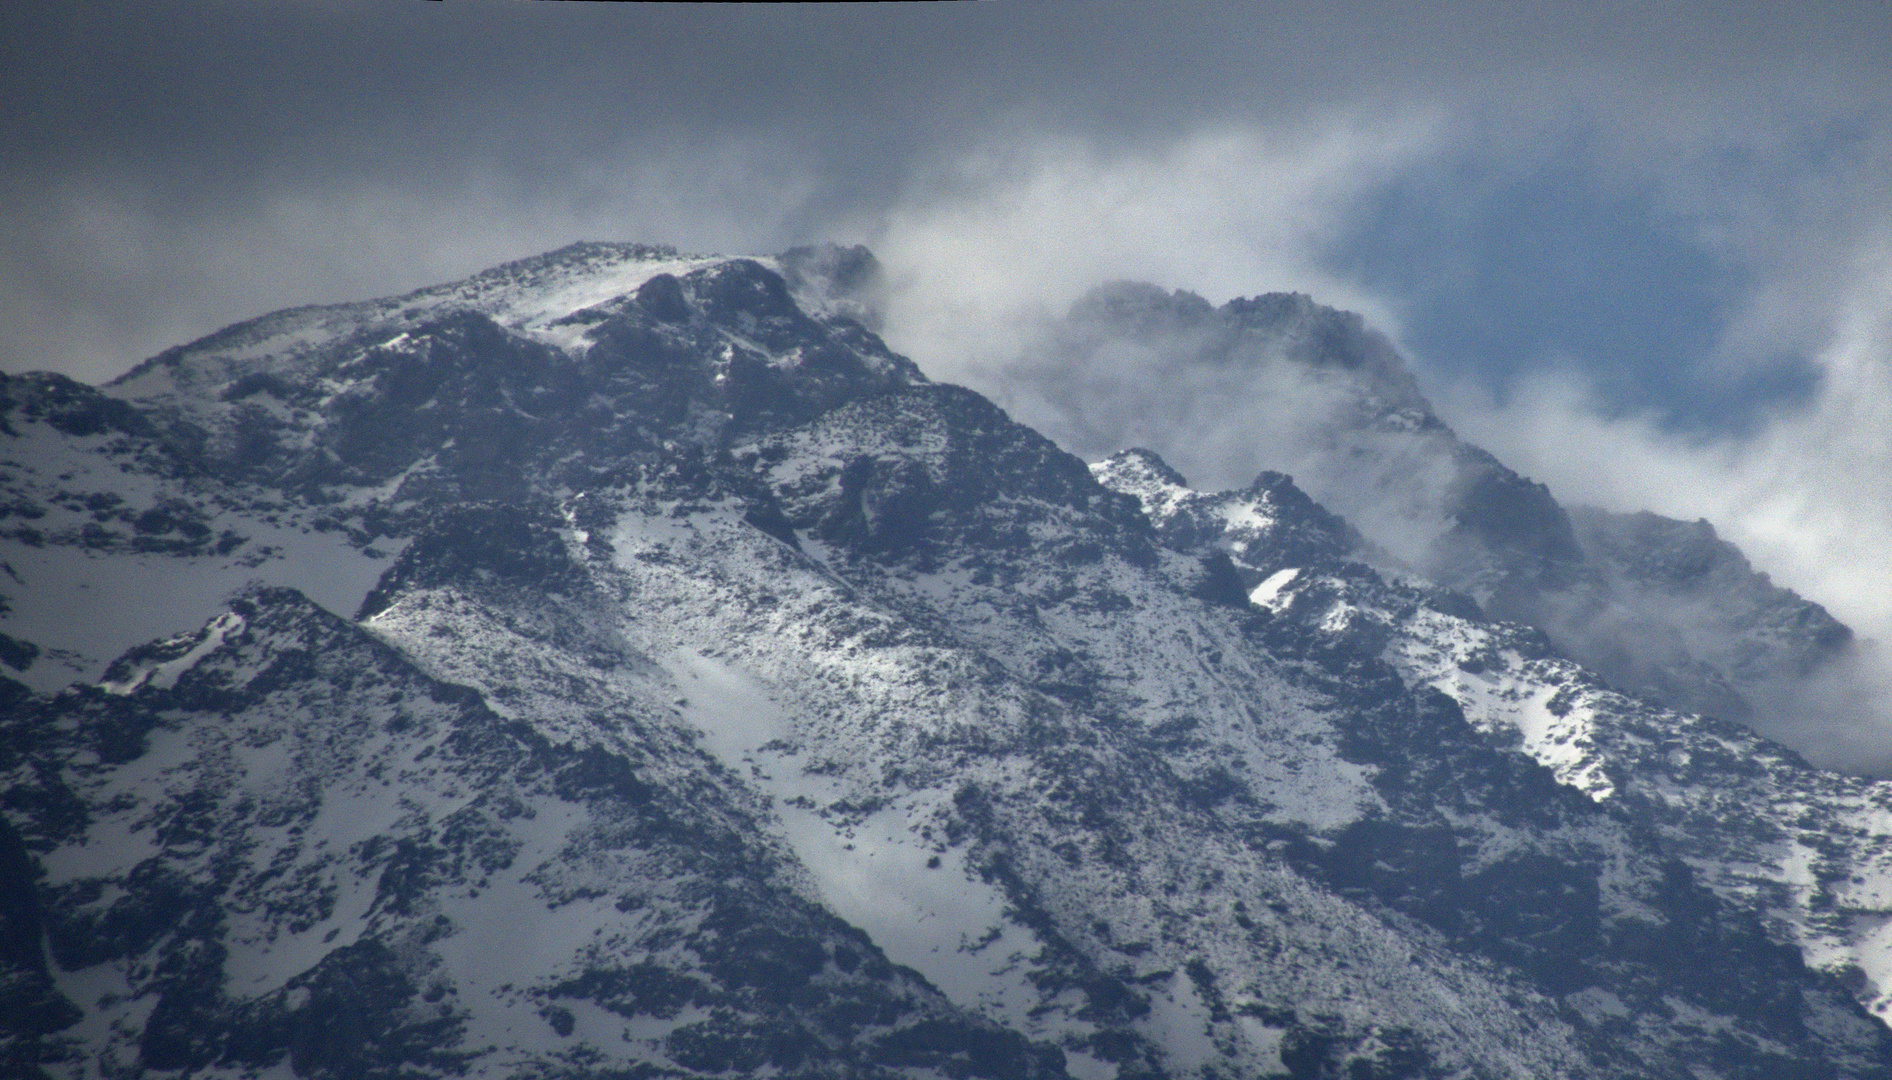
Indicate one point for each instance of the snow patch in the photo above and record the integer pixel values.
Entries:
(917, 900)
(1265, 594)
(164, 675)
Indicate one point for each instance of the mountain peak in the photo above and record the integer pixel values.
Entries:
(1138, 467)
(836, 279)
(1264, 528)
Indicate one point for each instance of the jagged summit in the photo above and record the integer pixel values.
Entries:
(1138, 470)
(529, 291)
(1267, 527)
(537, 297)
(1138, 308)
(1250, 331)
(837, 279)
(516, 369)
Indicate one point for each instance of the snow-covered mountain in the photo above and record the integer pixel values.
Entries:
(622, 664)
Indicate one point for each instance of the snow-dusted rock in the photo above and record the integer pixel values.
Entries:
(1802, 850)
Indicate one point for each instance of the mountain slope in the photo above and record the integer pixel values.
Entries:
(1806, 850)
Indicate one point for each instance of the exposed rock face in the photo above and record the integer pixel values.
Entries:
(623, 665)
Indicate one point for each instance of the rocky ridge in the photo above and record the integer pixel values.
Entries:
(1805, 848)
(1662, 608)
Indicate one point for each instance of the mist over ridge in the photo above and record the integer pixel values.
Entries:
(1281, 382)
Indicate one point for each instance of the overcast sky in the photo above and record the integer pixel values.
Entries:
(1643, 250)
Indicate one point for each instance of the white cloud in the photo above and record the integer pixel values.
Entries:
(1017, 229)
(1808, 499)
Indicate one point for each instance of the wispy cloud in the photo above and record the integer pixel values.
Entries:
(1806, 497)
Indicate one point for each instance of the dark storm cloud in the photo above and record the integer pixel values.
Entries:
(173, 166)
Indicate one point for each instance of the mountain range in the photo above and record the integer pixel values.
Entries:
(621, 663)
